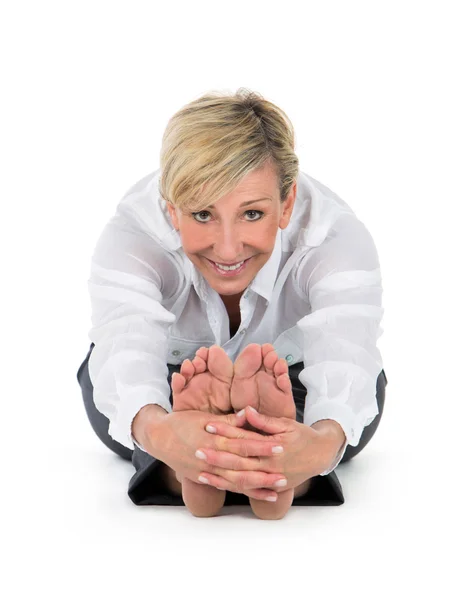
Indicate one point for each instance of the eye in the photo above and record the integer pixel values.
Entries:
(259, 212)
(199, 213)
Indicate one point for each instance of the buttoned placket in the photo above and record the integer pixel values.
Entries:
(247, 305)
(219, 322)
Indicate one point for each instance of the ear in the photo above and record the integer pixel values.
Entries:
(173, 215)
(287, 207)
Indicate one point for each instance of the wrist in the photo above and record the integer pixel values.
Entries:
(146, 423)
(333, 439)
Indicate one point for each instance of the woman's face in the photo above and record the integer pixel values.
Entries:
(241, 227)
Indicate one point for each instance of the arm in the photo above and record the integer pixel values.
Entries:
(341, 281)
(148, 419)
(128, 364)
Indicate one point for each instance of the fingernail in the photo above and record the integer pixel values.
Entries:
(210, 429)
(271, 498)
(200, 454)
(277, 449)
(241, 413)
(203, 479)
(281, 482)
(252, 408)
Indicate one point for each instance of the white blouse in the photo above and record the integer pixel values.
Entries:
(317, 300)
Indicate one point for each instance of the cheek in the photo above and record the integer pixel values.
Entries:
(264, 238)
(193, 239)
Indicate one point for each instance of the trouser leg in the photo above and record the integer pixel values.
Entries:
(98, 420)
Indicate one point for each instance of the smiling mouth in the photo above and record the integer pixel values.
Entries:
(228, 265)
(232, 268)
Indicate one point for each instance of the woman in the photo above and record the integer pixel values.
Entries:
(230, 279)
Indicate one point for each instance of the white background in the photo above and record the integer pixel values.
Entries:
(87, 90)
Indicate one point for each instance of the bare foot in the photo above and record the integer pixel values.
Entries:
(261, 380)
(203, 384)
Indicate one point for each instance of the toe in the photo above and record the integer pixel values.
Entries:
(249, 361)
(270, 360)
(187, 369)
(199, 364)
(177, 383)
(219, 364)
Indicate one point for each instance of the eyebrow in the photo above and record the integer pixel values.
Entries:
(246, 203)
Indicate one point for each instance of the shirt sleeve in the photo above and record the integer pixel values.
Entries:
(341, 281)
(128, 364)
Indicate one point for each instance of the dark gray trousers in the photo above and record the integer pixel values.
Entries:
(145, 487)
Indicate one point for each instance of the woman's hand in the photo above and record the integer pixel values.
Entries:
(305, 453)
(175, 438)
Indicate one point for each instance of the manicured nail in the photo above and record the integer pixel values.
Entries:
(271, 498)
(241, 413)
(280, 482)
(277, 449)
(200, 454)
(210, 429)
(203, 479)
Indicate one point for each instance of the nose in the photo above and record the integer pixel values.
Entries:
(228, 247)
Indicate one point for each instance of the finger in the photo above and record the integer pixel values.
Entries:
(223, 484)
(232, 432)
(242, 444)
(268, 424)
(235, 462)
(231, 427)
(238, 419)
(246, 447)
(234, 419)
(244, 481)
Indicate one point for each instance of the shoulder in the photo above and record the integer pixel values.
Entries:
(143, 206)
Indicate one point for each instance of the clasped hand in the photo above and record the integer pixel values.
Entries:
(302, 456)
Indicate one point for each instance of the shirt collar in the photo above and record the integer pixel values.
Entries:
(263, 283)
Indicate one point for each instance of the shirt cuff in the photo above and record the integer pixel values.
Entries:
(120, 428)
(137, 443)
(351, 424)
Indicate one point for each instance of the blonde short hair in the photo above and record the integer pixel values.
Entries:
(210, 144)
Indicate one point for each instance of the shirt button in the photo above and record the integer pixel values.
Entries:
(289, 358)
(176, 352)
(242, 331)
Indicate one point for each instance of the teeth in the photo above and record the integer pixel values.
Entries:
(233, 268)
